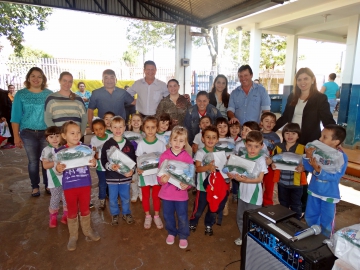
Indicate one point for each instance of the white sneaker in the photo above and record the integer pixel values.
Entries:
(133, 199)
(238, 241)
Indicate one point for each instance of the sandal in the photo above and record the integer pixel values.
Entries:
(47, 190)
(35, 194)
(147, 223)
(158, 222)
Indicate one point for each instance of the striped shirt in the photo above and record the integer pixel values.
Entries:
(59, 109)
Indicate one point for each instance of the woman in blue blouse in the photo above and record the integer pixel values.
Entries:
(27, 119)
(85, 95)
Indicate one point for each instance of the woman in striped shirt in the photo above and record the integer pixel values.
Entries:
(64, 105)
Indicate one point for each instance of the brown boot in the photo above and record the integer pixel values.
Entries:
(73, 225)
(86, 228)
(226, 209)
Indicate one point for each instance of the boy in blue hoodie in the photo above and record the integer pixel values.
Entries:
(323, 189)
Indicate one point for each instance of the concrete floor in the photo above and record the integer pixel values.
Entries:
(26, 241)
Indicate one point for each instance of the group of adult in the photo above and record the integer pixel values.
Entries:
(35, 107)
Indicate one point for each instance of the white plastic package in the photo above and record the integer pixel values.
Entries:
(219, 159)
(4, 130)
(330, 159)
(132, 136)
(179, 172)
(226, 146)
(242, 166)
(345, 244)
(75, 157)
(115, 156)
(287, 161)
(149, 163)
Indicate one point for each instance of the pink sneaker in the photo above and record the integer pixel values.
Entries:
(64, 217)
(147, 223)
(183, 243)
(158, 222)
(170, 239)
(53, 220)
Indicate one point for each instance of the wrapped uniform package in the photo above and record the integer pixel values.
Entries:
(149, 163)
(242, 166)
(227, 146)
(115, 156)
(75, 157)
(330, 159)
(219, 159)
(287, 161)
(4, 130)
(132, 136)
(345, 244)
(179, 172)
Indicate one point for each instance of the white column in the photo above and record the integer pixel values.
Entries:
(255, 47)
(291, 59)
(183, 46)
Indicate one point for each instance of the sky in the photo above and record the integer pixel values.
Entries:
(72, 34)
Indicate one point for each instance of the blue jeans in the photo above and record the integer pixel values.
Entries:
(170, 208)
(122, 190)
(200, 204)
(34, 142)
(235, 187)
(319, 212)
(102, 184)
(332, 103)
(290, 197)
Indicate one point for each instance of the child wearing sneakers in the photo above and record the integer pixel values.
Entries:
(52, 135)
(150, 144)
(250, 189)
(210, 136)
(135, 126)
(323, 189)
(119, 184)
(267, 122)
(107, 118)
(204, 122)
(97, 142)
(175, 200)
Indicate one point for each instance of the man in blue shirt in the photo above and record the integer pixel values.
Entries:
(249, 100)
(109, 98)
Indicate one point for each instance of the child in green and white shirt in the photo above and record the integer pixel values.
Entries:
(250, 189)
(52, 135)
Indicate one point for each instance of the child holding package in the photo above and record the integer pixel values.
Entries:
(77, 186)
(290, 183)
(150, 144)
(205, 121)
(267, 122)
(107, 118)
(135, 126)
(323, 189)
(246, 128)
(163, 133)
(52, 135)
(175, 200)
(210, 138)
(250, 190)
(97, 142)
(119, 184)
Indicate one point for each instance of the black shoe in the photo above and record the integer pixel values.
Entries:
(91, 205)
(114, 220)
(47, 190)
(192, 228)
(35, 194)
(209, 231)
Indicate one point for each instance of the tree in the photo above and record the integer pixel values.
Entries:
(14, 18)
(148, 34)
(130, 56)
(28, 52)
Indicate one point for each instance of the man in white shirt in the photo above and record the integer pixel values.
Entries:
(150, 90)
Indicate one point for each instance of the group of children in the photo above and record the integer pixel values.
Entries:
(73, 186)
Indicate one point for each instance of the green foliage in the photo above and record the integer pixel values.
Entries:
(28, 52)
(14, 18)
(130, 56)
(145, 35)
(273, 51)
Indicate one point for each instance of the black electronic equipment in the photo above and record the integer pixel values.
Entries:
(268, 245)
